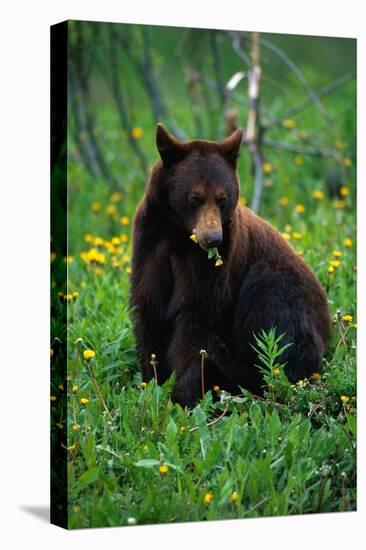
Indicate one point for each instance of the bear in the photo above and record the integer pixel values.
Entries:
(183, 302)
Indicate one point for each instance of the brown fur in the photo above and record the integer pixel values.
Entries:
(183, 303)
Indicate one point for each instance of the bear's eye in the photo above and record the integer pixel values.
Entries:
(222, 201)
(195, 201)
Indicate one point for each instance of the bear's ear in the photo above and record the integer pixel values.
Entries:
(170, 149)
(230, 147)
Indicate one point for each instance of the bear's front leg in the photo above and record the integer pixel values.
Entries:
(185, 360)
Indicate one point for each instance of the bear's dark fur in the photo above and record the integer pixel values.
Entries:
(183, 303)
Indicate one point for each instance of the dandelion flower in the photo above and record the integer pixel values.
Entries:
(315, 376)
(193, 238)
(53, 398)
(143, 385)
(128, 270)
(163, 469)
(318, 195)
(344, 191)
(243, 201)
(60, 387)
(124, 238)
(208, 498)
(88, 354)
(347, 162)
(234, 497)
(298, 161)
(297, 235)
(344, 398)
(115, 197)
(276, 371)
(75, 388)
(347, 242)
(286, 236)
(125, 220)
(76, 427)
(335, 263)
(88, 238)
(137, 133)
(337, 253)
(267, 167)
(219, 262)
(330, 269)
(96, 206)
(68, 259)
(283, 201)
(299, 208)
(59, 425)
(288, 123)
(347, 318)
(216, 388)
(84, 400)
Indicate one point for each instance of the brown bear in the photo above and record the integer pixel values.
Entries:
(183, 303)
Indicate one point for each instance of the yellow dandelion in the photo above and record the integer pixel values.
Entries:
(98, 241)
(125, 220)
(53, 398)
(111, 209)
(128, 270)
(276, 371)
(52, 256)
(337, 253)
(283, 201)
(344, 398)
(330, 269)
(96, 206)
(75, 295)
(76, 427)
(288, 123)
(347, 242)
(88, 238)
(219, 262)
(298, 161)
(339, 204)
(286, 236)
(68, 259)
(243, 201)
(137, 133)
(182, 429)
(347, 162)
(59, 425)
(193, 238)
(208, 498)
(318, 195)
(75, 388)
(116, 241)
(297, 235)
(153, 357)
(84, 400)
(267, 167)
(60, 387)
(216, 388)
(335, 263)
(117, 196)
(72, 448)
(234, 497)
(143, 385)
(315, 376)
(124, 238)
(299, 208)
(88, 354)
(344, 191)
(347, 318)
(163, 469)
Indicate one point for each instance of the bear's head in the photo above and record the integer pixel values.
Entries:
(199, 184)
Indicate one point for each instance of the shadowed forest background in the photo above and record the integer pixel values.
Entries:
(133, 456)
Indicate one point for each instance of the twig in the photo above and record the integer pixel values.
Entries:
(312, 151)
(203, 355)
(326, 90)
(213, 421)
(299, 75)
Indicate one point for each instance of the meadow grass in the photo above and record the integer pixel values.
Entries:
(133, 456)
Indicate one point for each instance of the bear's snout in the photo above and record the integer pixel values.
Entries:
(212, 239)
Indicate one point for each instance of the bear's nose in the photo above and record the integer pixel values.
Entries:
(213, 239)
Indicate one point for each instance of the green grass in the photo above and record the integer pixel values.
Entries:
(292, 452)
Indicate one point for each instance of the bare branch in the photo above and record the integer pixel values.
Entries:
(312, 151)
(329, 88)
